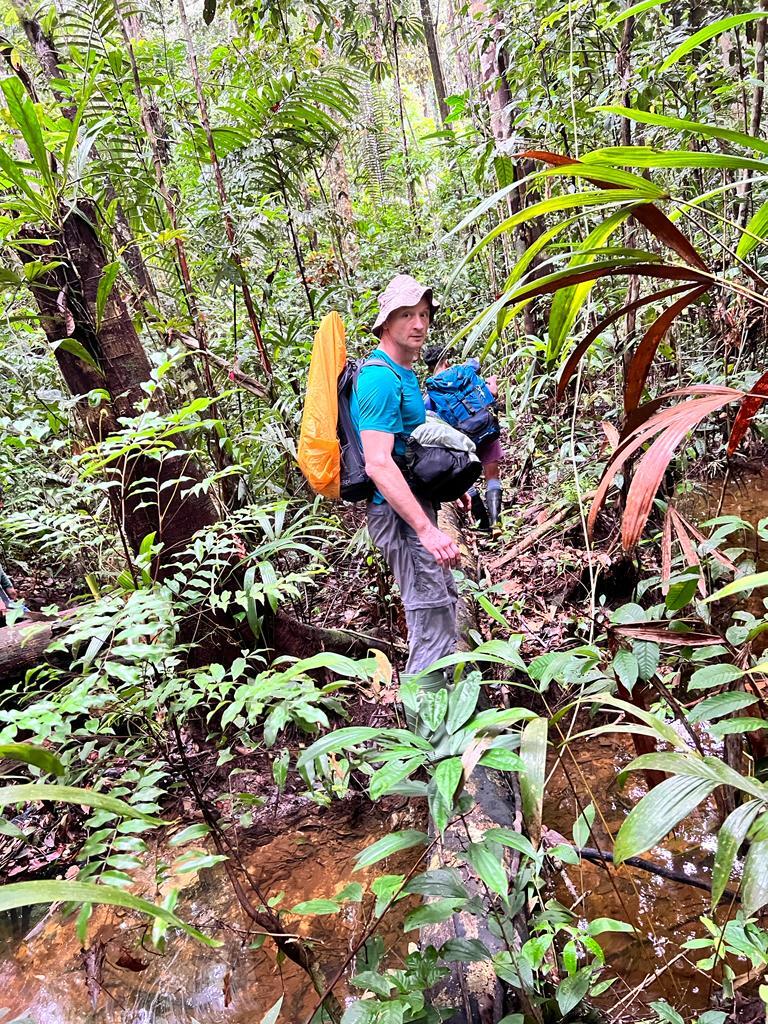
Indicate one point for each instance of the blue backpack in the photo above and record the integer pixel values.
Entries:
(464, 400)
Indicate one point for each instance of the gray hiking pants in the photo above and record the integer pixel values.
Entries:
(428, 590)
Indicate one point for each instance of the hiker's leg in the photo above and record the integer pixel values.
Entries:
(424, 586)
(491, 455)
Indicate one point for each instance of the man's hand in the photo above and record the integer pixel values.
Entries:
(493, 385)
(464, 503)
(3, 608)
(12, 593)
(440, 546)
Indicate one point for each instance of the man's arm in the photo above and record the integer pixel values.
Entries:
(382, 469)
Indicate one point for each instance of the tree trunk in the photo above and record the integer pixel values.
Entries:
(66, 298)
(434, 58)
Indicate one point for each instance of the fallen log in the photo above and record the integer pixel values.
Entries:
(23, 645)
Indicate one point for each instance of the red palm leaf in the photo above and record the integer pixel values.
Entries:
(640, 364)
(747, 411)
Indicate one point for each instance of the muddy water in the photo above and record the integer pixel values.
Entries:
(665, 914)
(44, 977)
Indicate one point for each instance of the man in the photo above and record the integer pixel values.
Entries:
(387, 407)
(490, 453)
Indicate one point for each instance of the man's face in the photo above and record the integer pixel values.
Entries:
(407, 326)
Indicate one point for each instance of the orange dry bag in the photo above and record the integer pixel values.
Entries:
(319, 454)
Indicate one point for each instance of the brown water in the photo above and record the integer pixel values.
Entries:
(648, 964)
(44, 977)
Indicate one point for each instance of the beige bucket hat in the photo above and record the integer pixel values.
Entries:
(402, 290)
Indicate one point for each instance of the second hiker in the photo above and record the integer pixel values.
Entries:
(387, 407)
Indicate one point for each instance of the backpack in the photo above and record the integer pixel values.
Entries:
(330, 453)
(464, 401)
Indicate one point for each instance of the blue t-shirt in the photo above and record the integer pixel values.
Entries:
(387, 401)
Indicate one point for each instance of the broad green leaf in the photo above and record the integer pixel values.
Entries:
(106, 284)
(487, 862)
(626, 668)
(462, 703)
(339, 739)
(465, 951)
(384, 778)
(572, 990)
(730, 836)
(732, 726)
(515, 840)
(438, 882)
(432, 913)
(695, 766)
(714, 675)
(533, 752)
(634, 10)
(720, 704)
(738, 586)
(388, 845)
(318, 907)
(710, 131)
(502, 761)
(661, 728)
(754, 232)
(433, 708)
(24, 113)
(567, 302)
(28, 753)
(27, 894)
(658, 813)
(666, 1012)
(680, 593)
(76, 348)
(71, 795)
(447, 777)
(706, 33)
(754, 885)
(197, 860)
(608, 924)
(582, 826)
(648, 156)
(186, 835)
(647, 654)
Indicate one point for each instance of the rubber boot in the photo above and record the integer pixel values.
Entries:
(480, 512)
(493, 500)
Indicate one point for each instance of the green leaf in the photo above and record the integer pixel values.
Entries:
(533, 753)
(608, 924)
(694, 127)
(186, 835)
(515, 840)
(318, 907)
(720, 704)
(106, 284)
(647, 654)
(567, 302)
(754, 232)
(666, 1012)
(462, 703)
(738, 586)
(270, 1017)
(22, 110)
(433, 708)
(680, 593)
(754, 885)
(714, 675)
(447, 778)
(383, 779)
(626, 668)
(28, 753)
(339, 739)
(465, 951)
(27, 894)
(582, 826)
(502, 760)
(438, 882)
(733, 726)
(197, 860)
(76, 348)
(431, 913)
(572, 990)
(706, 33)
(71, 795)
(388, 845)
(634, 10)
(658, 813)
(487, 862)
(730, 836)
